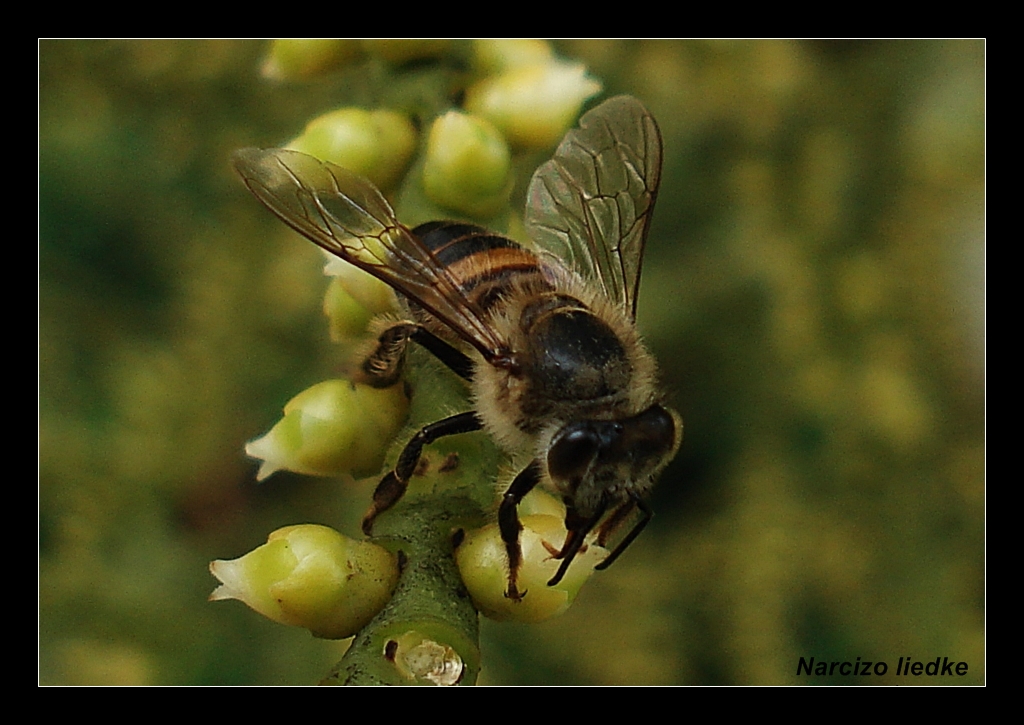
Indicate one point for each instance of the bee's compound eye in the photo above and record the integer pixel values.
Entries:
(654, 429)
(572, 451)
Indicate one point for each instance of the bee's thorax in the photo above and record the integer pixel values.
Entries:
(571, 354)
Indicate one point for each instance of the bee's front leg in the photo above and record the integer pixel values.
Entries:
(392, 487)
(509, 526)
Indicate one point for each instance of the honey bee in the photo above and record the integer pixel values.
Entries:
(546, 339)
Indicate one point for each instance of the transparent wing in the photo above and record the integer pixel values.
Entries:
(590, 205)
(346, 215)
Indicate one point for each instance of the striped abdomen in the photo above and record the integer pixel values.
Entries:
(482, 263)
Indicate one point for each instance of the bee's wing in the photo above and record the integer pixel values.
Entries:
(590, 205)
(345, 214)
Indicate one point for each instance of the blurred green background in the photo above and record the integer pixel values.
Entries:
(814, 290)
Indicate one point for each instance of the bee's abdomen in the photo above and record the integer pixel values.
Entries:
(482, 263)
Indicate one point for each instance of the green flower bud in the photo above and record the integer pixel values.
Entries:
(353, 298)
(468, 165)
(397, 52)
(346, 317)
(533, 105)
(372, 294)
(333, 427)
(494, 56)
(483, 563)
(539, 501)
(311, 576)
(293, 59)
(375, 144)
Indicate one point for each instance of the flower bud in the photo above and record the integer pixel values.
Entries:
(539, 501)
(367, 290)
(497, 55)
(333, 427)
(345, 316)
(468, 165)
(294, 59)
(353, 298)
(483, 563)
(375, 144)
(533, 105)
(311, 576)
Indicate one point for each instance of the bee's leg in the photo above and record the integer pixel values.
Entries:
(614, 521)
(383, 366)
(508, 523)
(578, 528)
(392, 486)
(455, 360)
(646, 513)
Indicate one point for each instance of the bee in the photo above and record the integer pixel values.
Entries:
(546, 339)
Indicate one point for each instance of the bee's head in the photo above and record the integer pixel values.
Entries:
(594, 463)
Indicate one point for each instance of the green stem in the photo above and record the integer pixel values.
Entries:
(429, 632)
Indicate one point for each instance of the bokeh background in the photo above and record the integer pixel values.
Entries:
(814, 290)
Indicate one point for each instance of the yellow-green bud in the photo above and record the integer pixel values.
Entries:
(533, 105)
(483, 563)
(468, 165)
(345, 316)
(293, 59)
(375, 144)
(311, 576)
(353, 298)
(397, 52)
(539, 501)
(333, 427)
(497, 55)
(366, 289)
